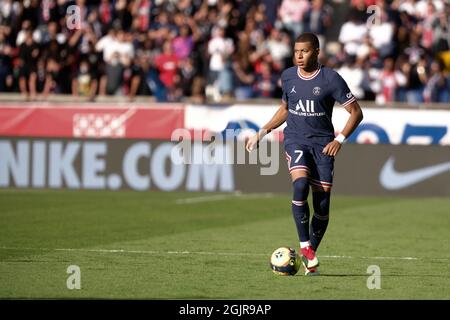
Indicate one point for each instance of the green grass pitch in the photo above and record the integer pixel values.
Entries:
(154, 245)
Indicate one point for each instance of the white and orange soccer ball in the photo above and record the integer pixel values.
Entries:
(285, 261)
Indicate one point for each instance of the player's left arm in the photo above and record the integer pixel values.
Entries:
(356, 116)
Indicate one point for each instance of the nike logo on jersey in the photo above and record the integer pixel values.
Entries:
(293, 90)
(394, 180)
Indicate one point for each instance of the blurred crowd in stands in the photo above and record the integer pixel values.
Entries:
(215, 50)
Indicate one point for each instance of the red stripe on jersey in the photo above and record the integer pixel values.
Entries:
(348, 102)
(308, 77)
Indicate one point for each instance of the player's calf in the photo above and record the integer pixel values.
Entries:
(319, 221)
(300, 208)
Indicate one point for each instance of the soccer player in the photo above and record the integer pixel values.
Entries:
(310, 91)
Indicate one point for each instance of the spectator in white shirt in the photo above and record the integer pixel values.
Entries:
(279, 47)
(220, 50)
(353, 74)
(352, 34)
(382, 34)
(118, 53)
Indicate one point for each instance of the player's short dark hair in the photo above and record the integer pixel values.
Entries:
(309, 37)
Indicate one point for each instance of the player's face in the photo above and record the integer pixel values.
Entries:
(305, 55)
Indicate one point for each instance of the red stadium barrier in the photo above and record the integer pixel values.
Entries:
(72, 121)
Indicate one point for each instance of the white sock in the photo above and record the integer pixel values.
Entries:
(304, 244)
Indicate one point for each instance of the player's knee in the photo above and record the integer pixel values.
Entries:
(321, 203)
(301, 188)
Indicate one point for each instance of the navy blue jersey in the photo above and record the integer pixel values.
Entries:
(310, 102)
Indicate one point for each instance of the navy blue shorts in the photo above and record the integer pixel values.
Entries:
(311, 159)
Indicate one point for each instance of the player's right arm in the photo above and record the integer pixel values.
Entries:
(277, 120)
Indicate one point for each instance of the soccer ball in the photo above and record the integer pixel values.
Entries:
(285, 261)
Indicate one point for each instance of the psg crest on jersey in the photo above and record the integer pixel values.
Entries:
(316, 91)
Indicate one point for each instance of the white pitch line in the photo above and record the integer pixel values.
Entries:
(220, 197)
(380, 258)
(211, 253)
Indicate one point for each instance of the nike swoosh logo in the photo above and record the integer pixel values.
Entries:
(394, 180)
